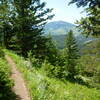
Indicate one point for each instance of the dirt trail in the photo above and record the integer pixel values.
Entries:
(19, 87)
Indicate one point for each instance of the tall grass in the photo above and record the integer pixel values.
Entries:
(6, 83)
(42, 87)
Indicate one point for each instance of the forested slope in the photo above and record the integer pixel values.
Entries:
(43, 87)
(6, 83)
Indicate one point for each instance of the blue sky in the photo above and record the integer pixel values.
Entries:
(64, 12)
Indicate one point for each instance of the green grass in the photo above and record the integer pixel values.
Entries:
(6, 83)
(42, 87)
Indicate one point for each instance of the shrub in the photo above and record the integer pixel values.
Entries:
(33, 61)
(1, 53)
(5, 82)
(42, 87)
(54, 71)
(89, 68)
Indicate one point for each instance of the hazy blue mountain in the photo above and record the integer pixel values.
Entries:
(60, 40)
(58, 31)
(59, 27)
(59, 24)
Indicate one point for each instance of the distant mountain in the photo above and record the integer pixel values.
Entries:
(58, 31)
(81, 40)
(59, 27)
(59, 24)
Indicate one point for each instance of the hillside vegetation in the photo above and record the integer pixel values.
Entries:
(6, 83)
(58, 31)
(69, 73)
(42, 87)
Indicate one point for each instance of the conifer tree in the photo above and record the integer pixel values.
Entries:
(51, 51)
(91, 24)
(4, 23)
(72, 54)
(28, 22)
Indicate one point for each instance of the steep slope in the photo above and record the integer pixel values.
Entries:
(44, 88)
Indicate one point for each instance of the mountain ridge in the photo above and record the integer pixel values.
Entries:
(58, 27)
(58, 31)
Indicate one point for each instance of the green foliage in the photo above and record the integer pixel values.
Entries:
(89, 68)
(5, 25)
(92, 48)
(21, 25)
(5, 82)
(89, 63)
(72, 54)
(1, 52)
(42, 87)
(54, 71)
(51, 70)
(48, 52)
(33, 61)
(90, 24)
(51, 51)
(91, 3)
(54, 66)
(28, 25)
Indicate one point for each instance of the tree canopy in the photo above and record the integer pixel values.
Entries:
(91, 24)
(72, 53)
(22, 25)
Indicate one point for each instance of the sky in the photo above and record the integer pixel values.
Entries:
(63, 12)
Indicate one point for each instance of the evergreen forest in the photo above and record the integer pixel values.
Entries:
(69, 70)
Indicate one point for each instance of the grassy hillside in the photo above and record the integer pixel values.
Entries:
(6, 82)
(42, 87)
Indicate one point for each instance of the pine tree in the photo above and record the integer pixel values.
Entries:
(3, 21)
(28, 22)
(51, 51)
(91, 24)
(83, 3)
(72, 54)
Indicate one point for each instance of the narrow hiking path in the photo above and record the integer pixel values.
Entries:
(19, 84)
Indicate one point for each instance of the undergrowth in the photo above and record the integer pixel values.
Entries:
(42, 87)
(6, 82)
